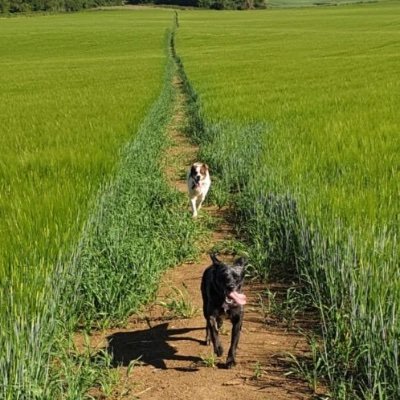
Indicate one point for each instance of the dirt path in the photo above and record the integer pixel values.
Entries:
(170, 350)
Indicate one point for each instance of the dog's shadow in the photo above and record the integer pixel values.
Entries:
(150, 347)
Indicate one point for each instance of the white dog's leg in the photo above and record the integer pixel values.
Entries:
(199, 202)
(194, 208)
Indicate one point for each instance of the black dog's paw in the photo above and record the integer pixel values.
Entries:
(230, 362)
(219, 351)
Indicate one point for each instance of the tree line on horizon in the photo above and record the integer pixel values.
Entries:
(26, 6)
(213, 4)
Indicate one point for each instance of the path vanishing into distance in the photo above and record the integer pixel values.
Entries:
(159, 355)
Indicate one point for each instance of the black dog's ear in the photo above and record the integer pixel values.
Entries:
(215, 260)
(242, 261)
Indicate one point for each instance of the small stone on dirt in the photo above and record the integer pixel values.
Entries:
(233, 382)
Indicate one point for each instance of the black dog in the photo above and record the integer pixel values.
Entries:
(220, 287)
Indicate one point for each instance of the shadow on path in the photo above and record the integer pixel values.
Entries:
(151, 346)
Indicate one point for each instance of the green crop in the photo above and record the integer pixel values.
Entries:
(73, 91)
(298, 117)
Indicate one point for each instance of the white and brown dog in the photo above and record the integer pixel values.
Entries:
(199, 182)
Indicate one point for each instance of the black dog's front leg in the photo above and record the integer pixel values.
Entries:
(208, 332)
(236, 319)
(212, 324)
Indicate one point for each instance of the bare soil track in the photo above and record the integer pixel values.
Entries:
(171, 351)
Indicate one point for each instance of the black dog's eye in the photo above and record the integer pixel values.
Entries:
(237, 277)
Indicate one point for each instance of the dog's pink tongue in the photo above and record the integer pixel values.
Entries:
(239, 298)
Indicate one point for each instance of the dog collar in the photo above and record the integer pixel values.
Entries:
(227, 305)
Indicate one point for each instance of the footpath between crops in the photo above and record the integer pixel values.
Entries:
(160, 354)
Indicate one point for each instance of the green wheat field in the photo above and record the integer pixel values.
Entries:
(320, 87)
(296, 110)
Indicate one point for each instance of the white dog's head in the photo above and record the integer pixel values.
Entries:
(198, 173)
